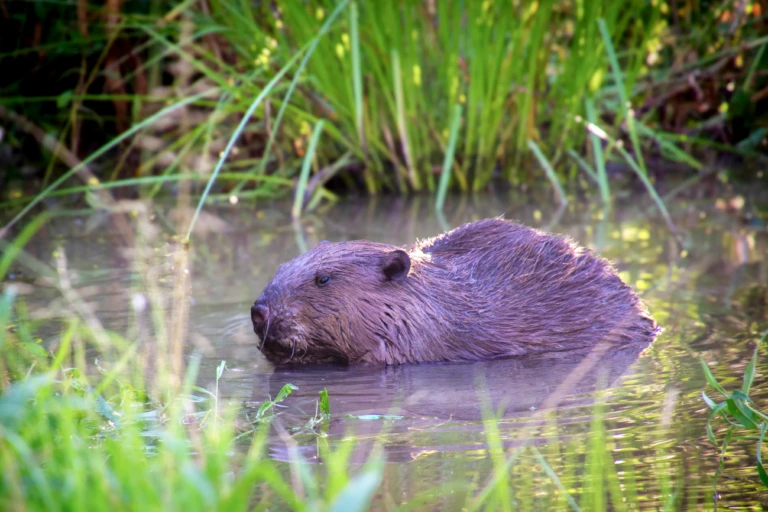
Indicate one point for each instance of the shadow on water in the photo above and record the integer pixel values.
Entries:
(710, 296)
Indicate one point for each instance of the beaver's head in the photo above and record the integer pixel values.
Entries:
(336, 302)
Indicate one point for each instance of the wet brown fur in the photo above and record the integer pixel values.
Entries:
(485, 290)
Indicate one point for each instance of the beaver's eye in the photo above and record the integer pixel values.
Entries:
(322, 280)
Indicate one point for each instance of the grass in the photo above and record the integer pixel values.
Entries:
(385, 80)
(298, 202)
(445, 174)
(67, 446)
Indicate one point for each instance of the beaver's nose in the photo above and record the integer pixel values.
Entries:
(259, 317)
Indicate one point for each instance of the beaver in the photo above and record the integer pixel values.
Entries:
(488, 289)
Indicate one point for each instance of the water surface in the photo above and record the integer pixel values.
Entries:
(709, 294)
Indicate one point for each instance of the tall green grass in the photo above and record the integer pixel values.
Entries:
(387, 76)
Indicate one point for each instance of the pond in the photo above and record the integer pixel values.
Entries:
(632, 421)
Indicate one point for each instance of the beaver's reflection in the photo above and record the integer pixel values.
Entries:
(444, 399)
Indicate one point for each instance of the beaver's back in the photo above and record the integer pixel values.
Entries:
(532, 291)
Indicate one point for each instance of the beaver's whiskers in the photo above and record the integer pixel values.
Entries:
(266, 333)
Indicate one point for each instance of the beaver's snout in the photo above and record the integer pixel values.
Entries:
(259, 317)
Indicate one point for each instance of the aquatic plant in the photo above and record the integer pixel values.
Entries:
(741, 415)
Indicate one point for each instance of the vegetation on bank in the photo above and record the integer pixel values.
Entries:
(585, 83)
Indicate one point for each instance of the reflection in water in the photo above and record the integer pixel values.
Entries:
(710, 296)
(452, 397)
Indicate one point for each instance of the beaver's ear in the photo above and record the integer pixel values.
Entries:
(395, 265)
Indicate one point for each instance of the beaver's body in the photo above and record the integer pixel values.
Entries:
(488, 289)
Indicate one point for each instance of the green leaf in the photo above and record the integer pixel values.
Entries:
(762, 473)
(710, 403)
(325, 406)
(284, 392)
(749, 373)
(357, 494)
(717, 409)
(742, 414)
(36, 350)
(220, 369)
(711, 378)
(760, 467)
(263, 408)
(64, 99)
(103, 408)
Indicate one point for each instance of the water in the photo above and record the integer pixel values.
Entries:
(636, 417)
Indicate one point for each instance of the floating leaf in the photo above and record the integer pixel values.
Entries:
(374, 417)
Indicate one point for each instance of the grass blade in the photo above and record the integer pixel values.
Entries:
(649, 186)
(675, 152)
(749, 374)
(597, 150)
(550, 172)
(357, 75)
(711, 379)
(401, 122)
(12, 250)
(6, 303)
(448, 160)
(584, 166)
(299, 71)
(264, 93)
(357, 494)
(240, 127)
(628, 115)
(550, 472)
(614, 61)
(760, 468)
(301, 187)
